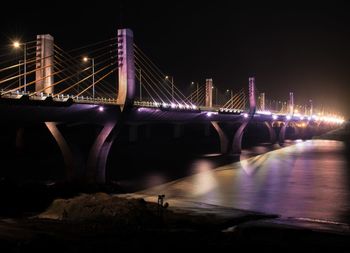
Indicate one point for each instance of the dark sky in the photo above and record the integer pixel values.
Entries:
(290, 47)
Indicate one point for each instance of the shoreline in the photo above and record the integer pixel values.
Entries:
(180, 228)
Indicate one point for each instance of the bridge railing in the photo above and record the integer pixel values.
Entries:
(60, 98)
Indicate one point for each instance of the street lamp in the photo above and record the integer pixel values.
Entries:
(197, 94)
(140, 84)
(19, 73)
(172, 86)
(192, 83)
(216, 94)
(85, 59)
(17, 44)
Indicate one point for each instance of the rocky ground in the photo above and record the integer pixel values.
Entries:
(117, 223)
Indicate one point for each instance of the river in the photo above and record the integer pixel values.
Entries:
(308, 180)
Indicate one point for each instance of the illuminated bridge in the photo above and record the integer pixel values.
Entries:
(46, 84)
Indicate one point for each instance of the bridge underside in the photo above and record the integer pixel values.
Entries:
(66, 121)
(62, 120)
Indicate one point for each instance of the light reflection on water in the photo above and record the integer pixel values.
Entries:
(309, 179)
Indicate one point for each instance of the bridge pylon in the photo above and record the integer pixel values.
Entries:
(262, 101)
(291, 103)
(252, 100)
(44, 63)
(209, 92)
(126, 68)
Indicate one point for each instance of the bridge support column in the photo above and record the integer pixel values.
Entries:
(96, 164)
(222, 136)
(237, 139)
(282, 133)
(64, 147)
(297, 133)
(133, 133)
(93, 170)
(272, 133)
(178, 131)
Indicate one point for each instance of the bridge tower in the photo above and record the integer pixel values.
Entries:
(291, 103)
(262, 101)
(44, 63)
(252, 101)
(126, 68)
(209, 92)
(237, 139)
(311, 107)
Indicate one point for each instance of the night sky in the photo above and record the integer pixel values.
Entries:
(299, 48)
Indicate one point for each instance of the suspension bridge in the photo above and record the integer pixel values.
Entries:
(113, 83)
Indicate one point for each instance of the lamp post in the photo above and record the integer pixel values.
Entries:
(140, 85)
(197, 95)
(85, 59)
(17, 44)
(191, 87)
(216, 94)
(172, 86)
(19, 73)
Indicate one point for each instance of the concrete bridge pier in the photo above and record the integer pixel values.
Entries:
(272, 133)
(91, 170)
(97, 159)
(230, 137)
(237, 139)
(224, 142)
(297, 132)
(282, 133)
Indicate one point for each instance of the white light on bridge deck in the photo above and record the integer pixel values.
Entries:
(245, 115)
(100, 108)
(288, 117)
(274, 117)
(264, 112)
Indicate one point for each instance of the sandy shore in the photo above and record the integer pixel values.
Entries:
(139, 225)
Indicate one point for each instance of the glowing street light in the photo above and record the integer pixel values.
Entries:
(17, 44)
(85, 59)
